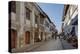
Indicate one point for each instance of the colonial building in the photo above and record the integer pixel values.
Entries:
(29, 24)
(52, 29)
(70, 20)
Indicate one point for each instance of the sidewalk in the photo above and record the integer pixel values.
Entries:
(66, 45)
(29, 47)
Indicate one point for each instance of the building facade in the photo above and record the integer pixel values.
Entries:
(70, 20)
(29, 24)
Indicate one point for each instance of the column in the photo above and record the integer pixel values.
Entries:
(39, 34)
(20, 18)
(32, 19)
(43, 35)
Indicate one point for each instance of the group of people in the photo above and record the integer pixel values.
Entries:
(54, 36)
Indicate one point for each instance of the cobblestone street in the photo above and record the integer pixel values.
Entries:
(50, 45)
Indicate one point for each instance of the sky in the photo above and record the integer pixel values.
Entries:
(54, 11)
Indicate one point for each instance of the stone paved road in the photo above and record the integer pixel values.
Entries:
(50, 45)
(67, 45)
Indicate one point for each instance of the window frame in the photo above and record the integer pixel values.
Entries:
(27, 10)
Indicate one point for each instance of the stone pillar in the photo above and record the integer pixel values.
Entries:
(32, 21)
(43, 35)
(45, 29)
(39, 27)
(20, 18)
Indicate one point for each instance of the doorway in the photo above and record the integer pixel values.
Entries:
(13, 38)
(27, 37)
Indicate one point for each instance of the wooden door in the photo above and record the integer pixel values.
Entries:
(27, 37)
(13, 38)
